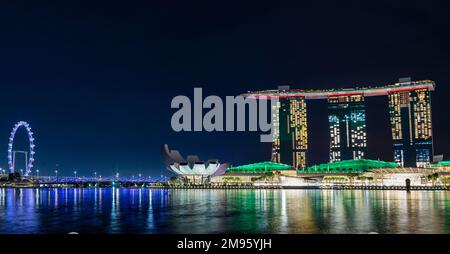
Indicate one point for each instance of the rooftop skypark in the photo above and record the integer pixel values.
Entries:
(326, 93)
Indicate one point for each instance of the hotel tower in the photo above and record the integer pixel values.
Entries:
(410, 117)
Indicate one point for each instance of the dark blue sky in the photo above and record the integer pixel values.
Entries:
(95, 80)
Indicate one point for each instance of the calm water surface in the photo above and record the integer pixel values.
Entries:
(147, 211)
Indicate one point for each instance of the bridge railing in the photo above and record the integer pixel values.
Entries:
(72, 179)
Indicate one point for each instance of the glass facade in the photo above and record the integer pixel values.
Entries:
(347, 123)
(290, 143)
(410, 115)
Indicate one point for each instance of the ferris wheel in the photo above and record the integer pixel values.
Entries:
(29, 155)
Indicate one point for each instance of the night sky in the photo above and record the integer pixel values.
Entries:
(95, 80)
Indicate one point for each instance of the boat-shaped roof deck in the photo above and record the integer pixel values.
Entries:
(324, 94)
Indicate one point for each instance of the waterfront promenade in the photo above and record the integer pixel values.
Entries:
(379, 179)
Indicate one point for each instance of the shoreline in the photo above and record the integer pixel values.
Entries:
(199, 187)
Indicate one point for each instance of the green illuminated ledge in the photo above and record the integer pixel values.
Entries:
(349, 166)
(262, 167)
(443, 164)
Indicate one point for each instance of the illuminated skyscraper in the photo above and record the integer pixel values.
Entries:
(410, 114)
(290, 132)
(347, 122)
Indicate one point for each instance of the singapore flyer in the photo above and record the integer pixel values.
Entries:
(29, 154)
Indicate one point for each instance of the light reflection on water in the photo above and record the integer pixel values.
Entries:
(222, 211)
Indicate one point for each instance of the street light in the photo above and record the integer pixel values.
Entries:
(75, 173)
(56, 173)
(37, 172)
(95, 173)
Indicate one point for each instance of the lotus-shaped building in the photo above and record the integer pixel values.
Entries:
(192, 165)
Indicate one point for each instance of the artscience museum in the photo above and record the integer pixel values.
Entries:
(192, 169)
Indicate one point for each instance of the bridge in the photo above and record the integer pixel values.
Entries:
(95, 181)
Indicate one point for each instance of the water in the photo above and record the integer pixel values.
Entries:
(147, 211)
